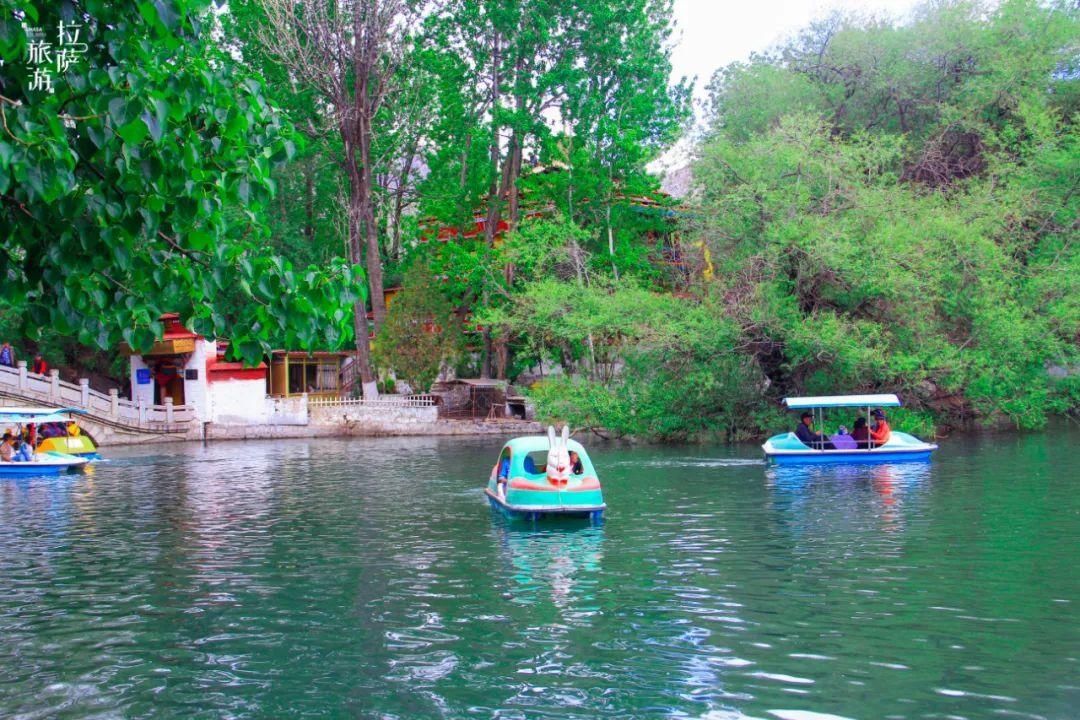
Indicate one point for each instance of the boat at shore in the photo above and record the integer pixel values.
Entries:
(50, 456)
(788, 449)
(534, 477)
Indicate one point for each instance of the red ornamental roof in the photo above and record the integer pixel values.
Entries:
(446, 232)
(174, 329)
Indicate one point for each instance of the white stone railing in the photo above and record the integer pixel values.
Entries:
(380, 401)
(51, 390)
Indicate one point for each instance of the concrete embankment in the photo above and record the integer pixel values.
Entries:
(360, 427)
(363, 421)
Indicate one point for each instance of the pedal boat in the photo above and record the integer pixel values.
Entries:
(787, 449)
(48, 460)
(537, 494)
(78, 445)
(54, 428)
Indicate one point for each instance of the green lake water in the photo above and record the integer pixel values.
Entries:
(369, 579)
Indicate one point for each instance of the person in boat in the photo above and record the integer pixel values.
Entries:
(809, 437)
(879, 431)
(23, 452)
(842, 440)
(576, 466)
(503, 475)
(7, 448)
(50, 430)
(30, 435)
(860, 433)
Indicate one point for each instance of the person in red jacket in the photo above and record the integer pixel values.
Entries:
(40, 366)
(879, 431)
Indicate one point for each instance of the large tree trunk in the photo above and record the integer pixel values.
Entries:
(502, 342)
(367, 206)
(511, 173)
(360, 320)
(368, 385)
(492, 220)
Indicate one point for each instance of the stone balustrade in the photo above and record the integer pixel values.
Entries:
(29, 388)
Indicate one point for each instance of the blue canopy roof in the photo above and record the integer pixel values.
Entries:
(24, 415)
(835, 401)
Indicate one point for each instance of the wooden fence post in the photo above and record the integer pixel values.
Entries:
(142, 412)
(168, 411)
(114, 402)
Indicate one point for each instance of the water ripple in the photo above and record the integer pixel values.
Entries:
(365, 578)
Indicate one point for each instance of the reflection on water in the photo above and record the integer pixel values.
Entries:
(368, 579)
(871, 491)
(560, 559)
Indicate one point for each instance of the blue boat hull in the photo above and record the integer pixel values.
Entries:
(32, 469)
(860, 457)
(531, 512)
(787, 449)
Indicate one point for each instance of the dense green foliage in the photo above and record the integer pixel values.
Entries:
(140, 185)
(889, 207)
(880, 205)
(895, 207)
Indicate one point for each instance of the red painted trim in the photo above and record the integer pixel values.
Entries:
(218, 370)
(589, 483)
(245, 374)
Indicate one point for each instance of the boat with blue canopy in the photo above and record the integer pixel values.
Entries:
(789, 449)
(47, 459)
(536, 476)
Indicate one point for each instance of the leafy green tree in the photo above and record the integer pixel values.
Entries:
(308, 224)
(140, 184)
(620, 113)
(422, 332)
(349, 55)
(653, 365)
(581, 88)
(890, 206)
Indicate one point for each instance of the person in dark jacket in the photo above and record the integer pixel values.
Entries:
(805, 433)
(861, 434)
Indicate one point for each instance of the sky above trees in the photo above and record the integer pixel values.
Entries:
(710, 34)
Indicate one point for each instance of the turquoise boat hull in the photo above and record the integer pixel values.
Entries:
(537, 511)
(787, 449)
